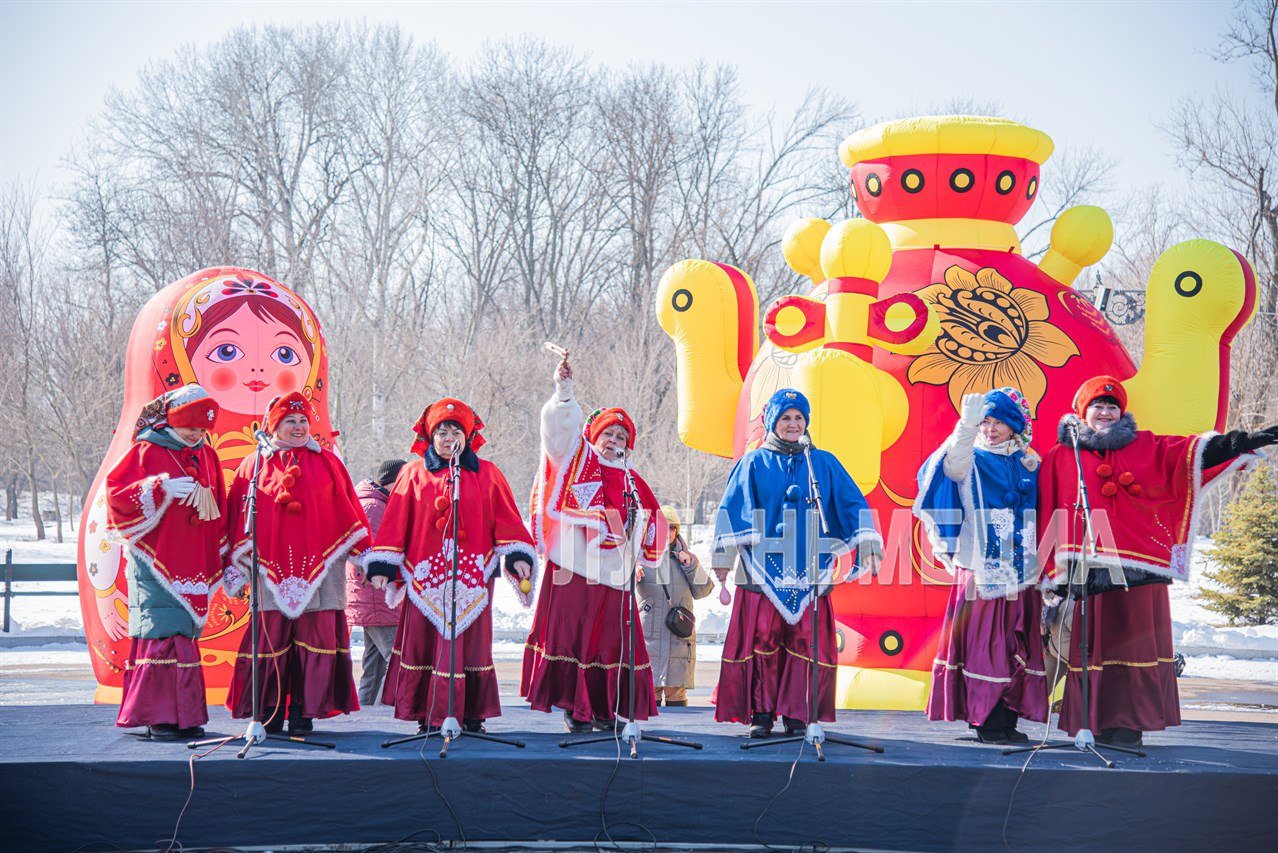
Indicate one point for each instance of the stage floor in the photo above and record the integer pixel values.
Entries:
(68, 778)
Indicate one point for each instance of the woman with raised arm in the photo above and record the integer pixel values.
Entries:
(594, 521)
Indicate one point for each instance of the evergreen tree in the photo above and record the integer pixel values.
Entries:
(1246, 554)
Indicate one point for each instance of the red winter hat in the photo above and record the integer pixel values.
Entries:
(1099, 386)
(447, 409)
(191, 406)
(611, 416)
(292, 403)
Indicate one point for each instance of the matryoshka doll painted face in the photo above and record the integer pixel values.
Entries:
(246, 339)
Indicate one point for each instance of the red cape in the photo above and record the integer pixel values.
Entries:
(308, 520)
(416, 535)
(1144, 499)
(184, 553)
(572, 495)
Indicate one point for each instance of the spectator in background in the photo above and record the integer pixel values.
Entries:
(366, 606)
(675, 583)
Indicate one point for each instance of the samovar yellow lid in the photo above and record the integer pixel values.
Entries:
(946, 135)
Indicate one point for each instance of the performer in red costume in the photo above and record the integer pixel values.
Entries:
(1144, 491)
(415, 550)
(576, 654)
(165, 501)
(308, 521)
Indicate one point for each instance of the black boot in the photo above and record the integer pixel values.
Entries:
(993, 729)
(1120, 736)
(604, 724)
(163, 731)
(573, 725)
(1010, 721)
(191, 732)
(298, 724)
(474, 726)
(677, 703)
(273, 720)
(761, 726)
(794, 726)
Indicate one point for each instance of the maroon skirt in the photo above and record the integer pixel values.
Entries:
(577, 651)
(1131, 673)
(304, 661)
(767, 661)
(417, 681)
(163, 684)
(989, 650)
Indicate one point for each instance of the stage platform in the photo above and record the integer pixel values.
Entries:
(69, 780)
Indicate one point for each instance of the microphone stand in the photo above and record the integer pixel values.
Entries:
(451, 730)
(814, 734)
(631, 733)
(255, 732)
(1079, 575)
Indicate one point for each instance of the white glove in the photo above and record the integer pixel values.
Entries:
(178, 487)
(973, 410)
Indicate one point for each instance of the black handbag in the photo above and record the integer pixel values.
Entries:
(680, 620)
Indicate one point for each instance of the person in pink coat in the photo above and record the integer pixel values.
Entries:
(366, 606)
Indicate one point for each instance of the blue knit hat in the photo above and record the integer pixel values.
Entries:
(1010, 406)
(782, 401)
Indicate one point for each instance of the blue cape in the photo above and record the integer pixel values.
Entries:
(986, 523)
(765, 511)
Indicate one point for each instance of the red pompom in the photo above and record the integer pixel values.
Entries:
(1109, 490)
(293, 470)
(1135, 490)
(294, 507)
(283, 498)
(1105, 469)
(461, 535)
(441, 503)
(1126, 478)
(441, 523)
(289, 481)
(191, 470)
(193, 519)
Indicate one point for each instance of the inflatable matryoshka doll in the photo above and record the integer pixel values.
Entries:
(246, 339)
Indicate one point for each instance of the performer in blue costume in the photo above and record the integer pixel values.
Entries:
(766, 518)
(977, 496)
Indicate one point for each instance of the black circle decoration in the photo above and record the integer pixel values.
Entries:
(839, 640)
(1189, 283)
(962, 180)
(682, 299)
(890, 643)
(874, 184)
(1032, 187)
(912, 180)
(1005, 183)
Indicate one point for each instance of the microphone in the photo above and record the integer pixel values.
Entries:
(1071, 428)
(263, 440)
(804, 441)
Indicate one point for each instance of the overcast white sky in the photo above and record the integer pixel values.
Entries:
(1085, 72)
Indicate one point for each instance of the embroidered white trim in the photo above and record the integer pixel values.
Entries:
(152, 512)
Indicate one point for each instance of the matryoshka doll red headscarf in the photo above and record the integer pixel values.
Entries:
(246, 339)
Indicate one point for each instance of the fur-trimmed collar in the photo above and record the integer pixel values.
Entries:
(1116, 437)
(435, 462)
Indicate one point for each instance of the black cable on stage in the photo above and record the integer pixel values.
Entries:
(403, 845)
(1047, 728)
(810, 845)
(604, 826)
